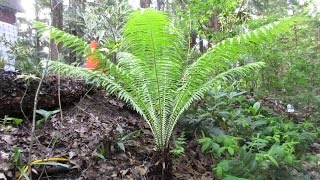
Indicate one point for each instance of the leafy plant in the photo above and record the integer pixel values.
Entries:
(101, 152)
(152, 76)
(220, 145)
(125, 136)
(245, 166)
(179, 148)
(225, 110)
(109, 146)
(2, 63)
(16, 155)
(25, 55)
(15, 121)
(45, 114)
(255, 108)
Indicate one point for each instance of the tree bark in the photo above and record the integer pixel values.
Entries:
(145, 3)
(193, 39)
(214, 23)
(56, 21)
(36, 7)
(201, 46)
(160, 5)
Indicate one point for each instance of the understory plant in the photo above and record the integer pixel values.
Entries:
(248, 141)
(151, 74)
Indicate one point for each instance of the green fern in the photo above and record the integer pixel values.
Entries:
(68, 40)
(152, 76)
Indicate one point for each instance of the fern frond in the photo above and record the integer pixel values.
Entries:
(68, 40)
(221, 56)
(157, 63)
(227, 76)
(120, 84)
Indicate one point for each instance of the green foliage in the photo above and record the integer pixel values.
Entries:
(197, 16)
(2, 63)
(70, 41)
(45, 115)
(152, 77)
(103, 20)
(25, 55)
(11, 120)
(255, 108)
(125, 137)
(277, 144)
(245, 166)
(101, 152)
(219, 145)
(292, 66)
(179, 148)
(225, 111)
(16, 155)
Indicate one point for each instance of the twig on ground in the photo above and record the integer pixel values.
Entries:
(21, 102)
(59, 85)
(34, 116)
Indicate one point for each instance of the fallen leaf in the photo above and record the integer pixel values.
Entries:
(7, 139)
(142, 170)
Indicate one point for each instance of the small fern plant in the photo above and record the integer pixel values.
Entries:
(153, 77)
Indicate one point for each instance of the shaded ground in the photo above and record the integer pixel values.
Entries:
(17, 93)
(89, 135)
(88, 126)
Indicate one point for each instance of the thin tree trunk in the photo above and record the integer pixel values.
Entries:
(193, 39)
(56, 21)
(37, 19)
(160, 5)
(145, 3)
(73, 29)
(201, 47)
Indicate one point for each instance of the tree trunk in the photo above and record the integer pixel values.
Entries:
(73, 29)
(214, 23)
(37, 19)
(145, 3)
(193, 39)
(201, 46)
(160, 5)
(56, 21)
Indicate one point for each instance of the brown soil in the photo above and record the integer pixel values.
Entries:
(87, 126)
(17, 93)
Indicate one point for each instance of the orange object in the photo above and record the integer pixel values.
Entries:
(92, 61)
(94, 44)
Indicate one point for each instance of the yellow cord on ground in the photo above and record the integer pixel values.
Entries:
(26, 168)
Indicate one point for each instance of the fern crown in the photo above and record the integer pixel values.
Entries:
(151, 74)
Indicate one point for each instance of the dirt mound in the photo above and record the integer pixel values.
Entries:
(17, 92)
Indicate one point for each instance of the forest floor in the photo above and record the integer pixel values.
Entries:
(98, 136)
(89, 136)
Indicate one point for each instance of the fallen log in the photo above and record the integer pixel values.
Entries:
(16, 93)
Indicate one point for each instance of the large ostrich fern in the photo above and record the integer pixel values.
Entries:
(152, 76)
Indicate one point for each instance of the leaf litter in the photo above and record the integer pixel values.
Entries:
(88, 136)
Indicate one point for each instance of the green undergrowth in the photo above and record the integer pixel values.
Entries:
(248, 141)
